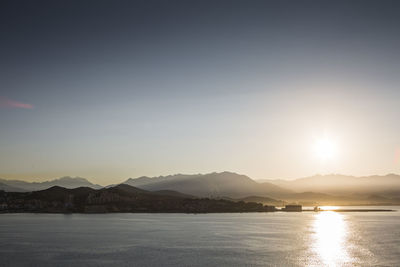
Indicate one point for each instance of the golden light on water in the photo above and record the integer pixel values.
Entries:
(329, 207)
(330, 237)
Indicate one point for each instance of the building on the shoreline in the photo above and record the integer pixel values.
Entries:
(292, 208)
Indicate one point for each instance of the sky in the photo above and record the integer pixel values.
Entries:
(114, 89)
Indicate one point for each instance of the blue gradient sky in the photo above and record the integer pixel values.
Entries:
(121, 89)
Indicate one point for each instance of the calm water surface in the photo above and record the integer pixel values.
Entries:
(246, 239)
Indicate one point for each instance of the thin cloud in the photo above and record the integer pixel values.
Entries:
(8, 103)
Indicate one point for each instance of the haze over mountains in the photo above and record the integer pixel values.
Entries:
(342, 184)
(66, 182)
(319, 189)
(224, 184)
(8, 188)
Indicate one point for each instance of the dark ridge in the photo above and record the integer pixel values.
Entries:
(120, 198)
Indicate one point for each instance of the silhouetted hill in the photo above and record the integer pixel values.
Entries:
(209, 185)
(58, 193)
(124, 189)
(263, 200)
(66, 182)
(120, 198)
(172, 193)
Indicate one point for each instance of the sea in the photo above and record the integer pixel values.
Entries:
(325, 238)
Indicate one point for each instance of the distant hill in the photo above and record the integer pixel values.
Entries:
(214, 185)
(9, 188)
(338, 189)
(66, 182)
(342, 184)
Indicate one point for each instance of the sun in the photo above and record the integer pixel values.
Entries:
(325, 148)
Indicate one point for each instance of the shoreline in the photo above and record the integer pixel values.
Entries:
(195, 213)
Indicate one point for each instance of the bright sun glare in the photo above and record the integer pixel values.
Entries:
(331, 238)
(325, 148)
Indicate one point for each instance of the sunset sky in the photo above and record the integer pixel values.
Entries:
(272, 89)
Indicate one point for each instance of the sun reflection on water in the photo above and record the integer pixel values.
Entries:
(330, 238)
(329, 207)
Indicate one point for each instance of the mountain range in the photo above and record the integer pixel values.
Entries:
(214, 185)
(320, 189)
